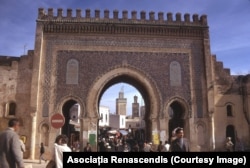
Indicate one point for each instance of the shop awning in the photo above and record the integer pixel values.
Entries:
(123, 132)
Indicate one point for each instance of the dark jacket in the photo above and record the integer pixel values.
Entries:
(177, 147)
(42, 150)
(87, 149)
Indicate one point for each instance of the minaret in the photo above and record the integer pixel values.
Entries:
(121, 104)
(135, 108)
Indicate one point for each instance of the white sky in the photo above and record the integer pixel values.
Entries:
(228, 20)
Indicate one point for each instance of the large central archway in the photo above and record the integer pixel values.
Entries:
(143, 83)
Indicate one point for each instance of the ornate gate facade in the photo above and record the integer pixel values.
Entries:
(76, 58)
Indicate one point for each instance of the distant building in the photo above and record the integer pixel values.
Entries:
(117, 121)
(135, 108)
(104, 116)
(75, 112)
(120, 120)
(136, 121)
(142, 116)
(121, 104)
(133, 122)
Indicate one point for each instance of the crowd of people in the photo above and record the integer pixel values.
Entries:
(123, 144)
(120, 143)
(11, 148)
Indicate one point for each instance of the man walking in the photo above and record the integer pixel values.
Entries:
(10, 146)
(180, 144)
(42, 151)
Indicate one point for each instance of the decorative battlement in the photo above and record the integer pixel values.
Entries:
(221, 72)
(105, 24)
(49, 16)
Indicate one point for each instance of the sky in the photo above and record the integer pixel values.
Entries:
(110, 95)
(228, 20)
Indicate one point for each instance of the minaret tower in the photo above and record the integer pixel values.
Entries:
(135, 108)
(121, 103)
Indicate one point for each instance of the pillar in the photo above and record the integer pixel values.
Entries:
(33, 136)
(211, 132)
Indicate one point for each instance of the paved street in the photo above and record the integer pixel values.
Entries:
(34, 164)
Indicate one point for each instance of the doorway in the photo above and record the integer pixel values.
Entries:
(176, 113)
(71, 128)
(230, 132)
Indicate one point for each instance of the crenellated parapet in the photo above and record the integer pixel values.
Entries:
(88, 16)
(145, 24)
(222, 75)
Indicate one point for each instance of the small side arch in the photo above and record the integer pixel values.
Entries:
(201, 131)
(44, 130)
(73, 110)
(65, 99)
(182, 102)
(177, 113)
